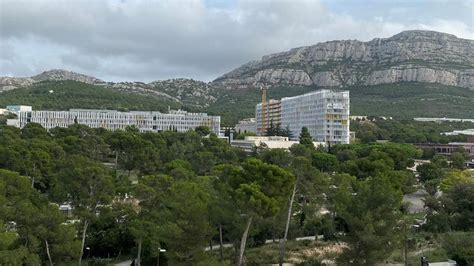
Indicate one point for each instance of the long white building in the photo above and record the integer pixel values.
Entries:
(324, 112)
(180, 121)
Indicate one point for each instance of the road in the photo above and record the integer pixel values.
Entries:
(416, 201)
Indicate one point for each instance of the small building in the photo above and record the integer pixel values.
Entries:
(66, 209)
(442, 119)
(274, 142)
(247, 125)
(448, 149)
(469, 133)
(16, 109)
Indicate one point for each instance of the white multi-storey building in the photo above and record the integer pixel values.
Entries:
(180, 121)
(324, 112)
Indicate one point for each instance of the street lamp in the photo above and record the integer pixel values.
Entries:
(161, 250)
(88, 252)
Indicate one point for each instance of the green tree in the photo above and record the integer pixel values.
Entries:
(429, 171)
(305, 138)
(458, 203)
(440, 161)
(286, 132)
(325, 162)
(458, 161)
(460, 247)
(279, 157)
(34, 131)
(455, 177)
(177, 213)
(308, 189)
(372, 216)
(88, 186)
(202, 130)
(259, 190)
(36, 227)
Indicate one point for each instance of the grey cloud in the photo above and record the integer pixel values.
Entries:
(148, 40)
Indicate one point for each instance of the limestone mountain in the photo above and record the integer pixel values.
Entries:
(60, 75)
(410, 56)
(413, 73)
(188, 91)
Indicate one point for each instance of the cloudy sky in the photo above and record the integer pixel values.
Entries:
(140, 40)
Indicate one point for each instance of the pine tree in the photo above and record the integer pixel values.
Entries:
(305, 138)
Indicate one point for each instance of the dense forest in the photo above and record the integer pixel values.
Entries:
(407, 131)
(163, 198)
(64, 95)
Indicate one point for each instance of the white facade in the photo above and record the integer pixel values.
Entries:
(324, 112)
(443, 119)
(16, 109)
(467, 132)
(180, 121)
(274, 142)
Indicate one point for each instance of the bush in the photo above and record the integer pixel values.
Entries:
(460, 247)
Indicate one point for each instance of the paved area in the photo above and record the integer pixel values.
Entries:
(416, 201)
(124, 263)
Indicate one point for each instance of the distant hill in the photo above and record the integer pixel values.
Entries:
(413, 73)
(403, 100)
(63, 95)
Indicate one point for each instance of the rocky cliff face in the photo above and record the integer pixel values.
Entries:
(60, 74)
(421, 56)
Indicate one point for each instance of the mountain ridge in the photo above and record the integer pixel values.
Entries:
(418, 56)
(413, 73)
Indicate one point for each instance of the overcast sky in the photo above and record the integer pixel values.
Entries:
(134, 40)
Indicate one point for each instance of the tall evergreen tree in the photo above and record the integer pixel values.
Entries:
(305, 138)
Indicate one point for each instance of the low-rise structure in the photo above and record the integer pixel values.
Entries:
(248, 125)
(469, 133)
(448, 149)
(16, 109)
(180, 121)
(275, 142)
(442, 119)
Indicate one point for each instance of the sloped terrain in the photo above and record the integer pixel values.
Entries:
(63, 95)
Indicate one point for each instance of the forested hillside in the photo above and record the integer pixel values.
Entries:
(63, 95)
(407, 131)
(133, 194)
(401, 101)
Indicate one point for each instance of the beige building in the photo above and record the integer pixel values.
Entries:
(275, 142)
(273, 115)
